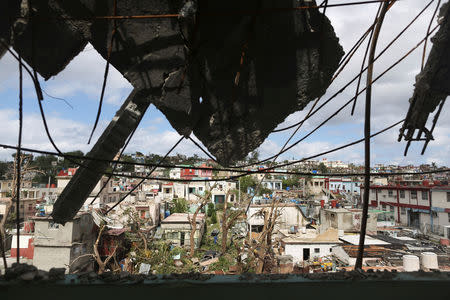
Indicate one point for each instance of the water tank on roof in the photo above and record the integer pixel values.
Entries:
(429, 260)
(411, 263)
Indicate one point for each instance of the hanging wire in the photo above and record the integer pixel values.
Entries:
(145, 178)
(338, 110)
(77, 163)
(378, 56)
(115, 166)
(428, 33)
(203, 150)
(364, 59)
(37, 85)
(105, 75)
(245, 172)
(57, 98)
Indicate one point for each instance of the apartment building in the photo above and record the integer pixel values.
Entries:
(424, 207)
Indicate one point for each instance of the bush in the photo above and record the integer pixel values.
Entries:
(213, 217)
(179, 205)
(210, 210)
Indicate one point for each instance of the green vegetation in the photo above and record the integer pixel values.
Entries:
(179, 205)
(214, 217)
(322, 168)
(246, 182)
(292, 181)
(127, 167)
(262, 190)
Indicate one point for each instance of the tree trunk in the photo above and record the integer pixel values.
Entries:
(194, 227)
(101, 265)
(224, 227)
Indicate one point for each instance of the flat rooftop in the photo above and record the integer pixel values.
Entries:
(182, 218)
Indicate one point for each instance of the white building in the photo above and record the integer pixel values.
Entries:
(308, 244)
(177, 229)
(289, 215)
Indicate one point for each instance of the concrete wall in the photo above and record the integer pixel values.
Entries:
(349, 221)
(290, 216)
(296, 250)
(47, 257)
(172, 233)
(57, 245)
(49, 234)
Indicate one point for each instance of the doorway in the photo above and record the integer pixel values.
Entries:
(306, 253)
(182, 239)
(414, 219)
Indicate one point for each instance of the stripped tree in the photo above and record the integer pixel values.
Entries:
(25, 169)
(102, 264)
(229, 218)
(204, 199)
(260, 249)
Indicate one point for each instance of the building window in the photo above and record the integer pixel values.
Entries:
(383, 207)
(448, 196)
(403, 210)
(390, 193)
(449, 217)
(392, 208)
(321, 183)
(424, 195)
(316, 183)
(316, 250)
(402, 194)
(413, 194)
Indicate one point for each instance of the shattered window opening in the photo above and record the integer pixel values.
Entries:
(230, 81)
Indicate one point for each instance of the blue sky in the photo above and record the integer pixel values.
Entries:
(80, 84)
